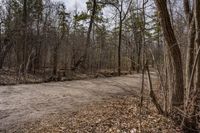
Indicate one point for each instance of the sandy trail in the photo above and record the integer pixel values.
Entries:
(23, 103)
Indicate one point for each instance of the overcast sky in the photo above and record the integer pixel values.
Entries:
(81, 6)
(71, 4)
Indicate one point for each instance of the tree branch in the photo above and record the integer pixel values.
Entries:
(129, 6)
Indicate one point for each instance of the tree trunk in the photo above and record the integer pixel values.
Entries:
(119, 45)
(139, 45)
(55, 60)
(30, 60)
(197, 81)
(175, 53)
(37, 47)
(190, 51)
(0, 36)
(191, 37)
(169, 80)
(82, 59)
(24, 37)
(4, 51)
(90, 30)
(197, 40)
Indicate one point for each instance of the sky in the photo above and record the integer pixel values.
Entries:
(72, 4)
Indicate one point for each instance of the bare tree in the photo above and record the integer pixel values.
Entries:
(24, 36)
(82, 59)
(191, 37)
(119, 5)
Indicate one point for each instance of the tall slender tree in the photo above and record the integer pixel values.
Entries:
(191, 37)
(24, 37)
(122, 12)
(82, 59)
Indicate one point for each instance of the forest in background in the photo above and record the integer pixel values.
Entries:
(40, 37)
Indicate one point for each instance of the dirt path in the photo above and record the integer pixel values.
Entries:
(23, 103)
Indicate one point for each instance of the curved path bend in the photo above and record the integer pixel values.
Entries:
(22, 103)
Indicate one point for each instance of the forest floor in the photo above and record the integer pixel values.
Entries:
(94, 105)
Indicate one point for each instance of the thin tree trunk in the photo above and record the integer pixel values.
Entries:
(4, 51)
(119, 45)
(30, 60)
(82, 59)
(24, 35)
(38, 47)
(0, 35)
(152, 94)
(191, 37)
(190, 52)
(55, 60)
(138, 58)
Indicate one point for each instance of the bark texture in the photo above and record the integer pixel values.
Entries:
(190, 51)
(197, 39)
(191, 37)
(175, 53)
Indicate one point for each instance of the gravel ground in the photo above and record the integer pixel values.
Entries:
(22, 104)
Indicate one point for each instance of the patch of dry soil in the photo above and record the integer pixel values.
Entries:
(24, 103)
